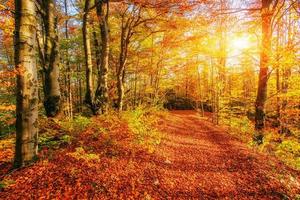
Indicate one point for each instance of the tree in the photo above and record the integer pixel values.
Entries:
(128, 23)
(89, 95)
(102, 89)
(48, 52)
(133, 17)
(68, 66)
(267, 11)
(27, 86)
(97, 100)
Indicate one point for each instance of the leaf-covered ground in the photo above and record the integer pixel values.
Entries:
(195, 160)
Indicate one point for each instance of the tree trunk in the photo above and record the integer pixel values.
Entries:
(266, 16)
(50, 61)
(89, 95)
(68, 67)
(277, 67)
(120, 69)
(79, 96)
(102, 89)
(120, 87)
(27, 85)
(287, 71)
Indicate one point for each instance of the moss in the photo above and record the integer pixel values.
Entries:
(52, 105)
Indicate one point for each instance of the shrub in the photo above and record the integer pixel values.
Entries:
(78, 124)
(6, 183)
(52, 141)
(289, 151)
(241, 127)
(141, 123)
(80, 153)
(7, 122)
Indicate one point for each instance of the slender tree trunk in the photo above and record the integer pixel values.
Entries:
(120, 73)
(287, 71)
(277, 67)
(135, 83)
(27, 85)
(120, 87)
(89, 95)
(50, 61)
(125, 38)
(266, 16)
(79, 98)
(68, 66)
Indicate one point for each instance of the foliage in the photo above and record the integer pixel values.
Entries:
(7, 118)
(177, 54)
(80, 153)
(241, 127)
(285, 149)
(289, 151)
(6, 149)
(141, 122)
(52, 141)
(102, 161)
(76, 125)
(6, 183)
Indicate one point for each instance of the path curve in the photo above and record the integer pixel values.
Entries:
(205, 162)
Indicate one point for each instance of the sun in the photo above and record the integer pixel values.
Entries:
(241, 42)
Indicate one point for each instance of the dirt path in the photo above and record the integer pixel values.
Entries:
(203, 162)
(195, 160)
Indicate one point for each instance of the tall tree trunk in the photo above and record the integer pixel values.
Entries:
(50, 61)
(135, 83)
(79, 91)
(120, 87)
(102, 89)
(120, 72)
(129, 22)
(266, 17)
(126, 33)
(277, 67)
(89, 95)
(68, 66)
(27, 86)
(287, 71)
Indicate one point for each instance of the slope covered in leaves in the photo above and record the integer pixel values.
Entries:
(104, 159)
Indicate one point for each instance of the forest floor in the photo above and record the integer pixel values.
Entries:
(195, 160)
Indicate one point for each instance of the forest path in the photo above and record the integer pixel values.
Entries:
(205, 162)
(195, 160)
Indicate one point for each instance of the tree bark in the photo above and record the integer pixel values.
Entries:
(266, 16)
(50, 61)
(277, 67)
(287, 71)
(68, 66)
(120, 73)
(102, 88)
(126, 34)
(27, 85)
(89, 95)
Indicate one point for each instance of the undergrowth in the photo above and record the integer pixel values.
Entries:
(285, 148)
(142, 122)
(81, 154)
(76, 125)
